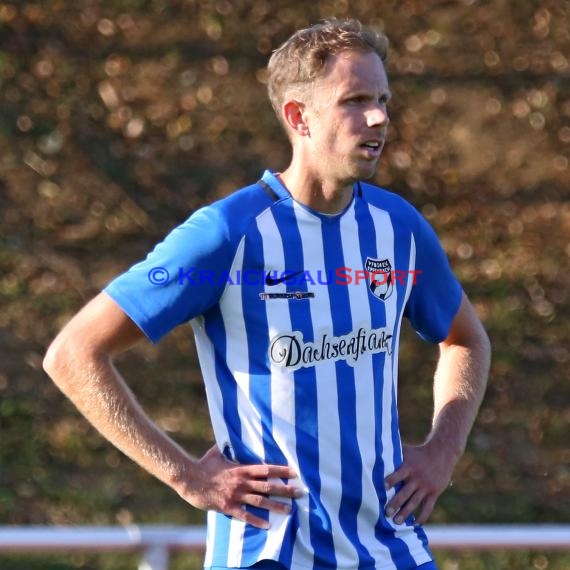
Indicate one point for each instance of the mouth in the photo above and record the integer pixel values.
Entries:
(373, 146)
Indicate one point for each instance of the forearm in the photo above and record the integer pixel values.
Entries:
(80, 361)
(459, 386)
(97, 389)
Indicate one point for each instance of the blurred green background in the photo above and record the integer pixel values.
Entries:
(119, 118)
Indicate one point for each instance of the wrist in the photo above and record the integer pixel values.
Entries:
(448, 448)
(182, 476)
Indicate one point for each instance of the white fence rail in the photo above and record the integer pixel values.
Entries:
(156, 543)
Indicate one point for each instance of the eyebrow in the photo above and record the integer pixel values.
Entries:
(364, 93)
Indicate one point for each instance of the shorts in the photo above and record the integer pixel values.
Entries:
(273, 565)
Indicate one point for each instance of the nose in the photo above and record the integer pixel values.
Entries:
(378, 116)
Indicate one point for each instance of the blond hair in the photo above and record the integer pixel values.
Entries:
(298, 62)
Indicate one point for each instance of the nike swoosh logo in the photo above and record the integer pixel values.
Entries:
(270, 281)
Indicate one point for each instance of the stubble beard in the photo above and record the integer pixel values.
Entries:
(365, 170)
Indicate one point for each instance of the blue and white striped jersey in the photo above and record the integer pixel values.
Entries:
(297, 317)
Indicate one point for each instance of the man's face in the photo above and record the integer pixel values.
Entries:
(346, 116)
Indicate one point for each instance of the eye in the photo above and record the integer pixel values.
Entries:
(383, 99)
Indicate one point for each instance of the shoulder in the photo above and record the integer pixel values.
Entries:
(231, 216)
(396, 206)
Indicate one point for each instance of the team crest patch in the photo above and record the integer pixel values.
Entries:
(380, 277)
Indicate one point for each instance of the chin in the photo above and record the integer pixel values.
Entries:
(366, 173)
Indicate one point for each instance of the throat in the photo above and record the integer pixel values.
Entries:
(319, 195)
(333, 202)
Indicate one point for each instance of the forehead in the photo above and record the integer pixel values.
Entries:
(353, 70)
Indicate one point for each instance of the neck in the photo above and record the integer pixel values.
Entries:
(320, 194)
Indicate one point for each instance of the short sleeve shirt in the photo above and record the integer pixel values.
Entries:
(297, 317)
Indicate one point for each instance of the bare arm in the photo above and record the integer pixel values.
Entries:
(80, 362)
(459, 386)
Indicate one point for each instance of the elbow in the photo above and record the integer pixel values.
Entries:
(487, 344)
(488, 352)
(62, 357)
(481, 350)
(63, 362)
(55, 357)
(484, 343)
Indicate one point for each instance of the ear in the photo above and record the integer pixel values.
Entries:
(295, 118)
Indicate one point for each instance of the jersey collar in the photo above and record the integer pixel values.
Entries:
(271, 179)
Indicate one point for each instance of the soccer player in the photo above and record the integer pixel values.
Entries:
(296, 288)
